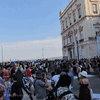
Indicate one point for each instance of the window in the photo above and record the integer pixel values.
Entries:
(64, 41)
(97, 31)
(79, 13)
(70, 20)
(66, 25)
(81, 35)
(74, 17)
(94, 8)
(64, 52)
(75, 36)
(82, 51)
(63, 27)
(68, 39)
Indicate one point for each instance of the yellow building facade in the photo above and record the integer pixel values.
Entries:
(80, 26)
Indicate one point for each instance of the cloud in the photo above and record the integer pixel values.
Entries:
(32, 49)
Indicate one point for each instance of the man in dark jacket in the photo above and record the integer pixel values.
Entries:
(16, 91)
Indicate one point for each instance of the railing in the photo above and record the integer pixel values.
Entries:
(92, 38)
(64, 46)
(81, 40)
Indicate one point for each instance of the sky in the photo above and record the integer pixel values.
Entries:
(27, 26)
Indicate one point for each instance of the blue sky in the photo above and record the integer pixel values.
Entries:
(30, 20)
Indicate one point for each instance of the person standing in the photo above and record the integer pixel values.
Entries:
(70, 73)
(94, 64)
(63, 92)
(40, 85)
(84, 93)
(2, 91)
(74, 68)
(55, 78)
(6, 77)
(13, 69)
(16, 90)
(1, 71)
(28, 72)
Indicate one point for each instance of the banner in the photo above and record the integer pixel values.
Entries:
(98, 43)
(24, 82)
(75, 46)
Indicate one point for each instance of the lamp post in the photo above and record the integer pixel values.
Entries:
(43, 53)
(2, 53)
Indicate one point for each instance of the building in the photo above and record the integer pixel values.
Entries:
(80, 29)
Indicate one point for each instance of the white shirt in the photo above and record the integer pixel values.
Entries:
(55, 78)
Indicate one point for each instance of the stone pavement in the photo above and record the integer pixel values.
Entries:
(94, 81)
(95, 85)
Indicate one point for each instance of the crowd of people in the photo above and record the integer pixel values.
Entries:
(62, 81)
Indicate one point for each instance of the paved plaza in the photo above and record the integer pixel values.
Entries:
(94, 81)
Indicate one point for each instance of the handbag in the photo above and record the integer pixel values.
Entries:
(91, 91)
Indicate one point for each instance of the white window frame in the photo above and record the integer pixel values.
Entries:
(79, 12)
(81, 35)
(82, 50)
(64, 41)
(76, 36)
(94, 7)
(63, 27)
(68, 40)
(66, 24)
(97, 30)
(74, 17)
(70, 21)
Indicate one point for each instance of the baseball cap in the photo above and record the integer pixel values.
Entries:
(39, 72)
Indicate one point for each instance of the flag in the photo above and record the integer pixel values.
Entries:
(6, 95)
(24, 82)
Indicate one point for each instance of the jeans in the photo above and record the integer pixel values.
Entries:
(40, 99)
(72, 80)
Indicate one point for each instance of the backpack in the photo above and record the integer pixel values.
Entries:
(34, 86)
(65, 93)
(50, 95)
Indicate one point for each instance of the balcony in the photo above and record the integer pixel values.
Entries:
(70, 44)
(64, 46)
(95, 12)
(81, 40)
(92, 38)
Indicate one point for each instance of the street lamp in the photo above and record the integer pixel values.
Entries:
(2, 53)
(43, 53)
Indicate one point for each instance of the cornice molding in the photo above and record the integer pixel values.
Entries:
(68, 7)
